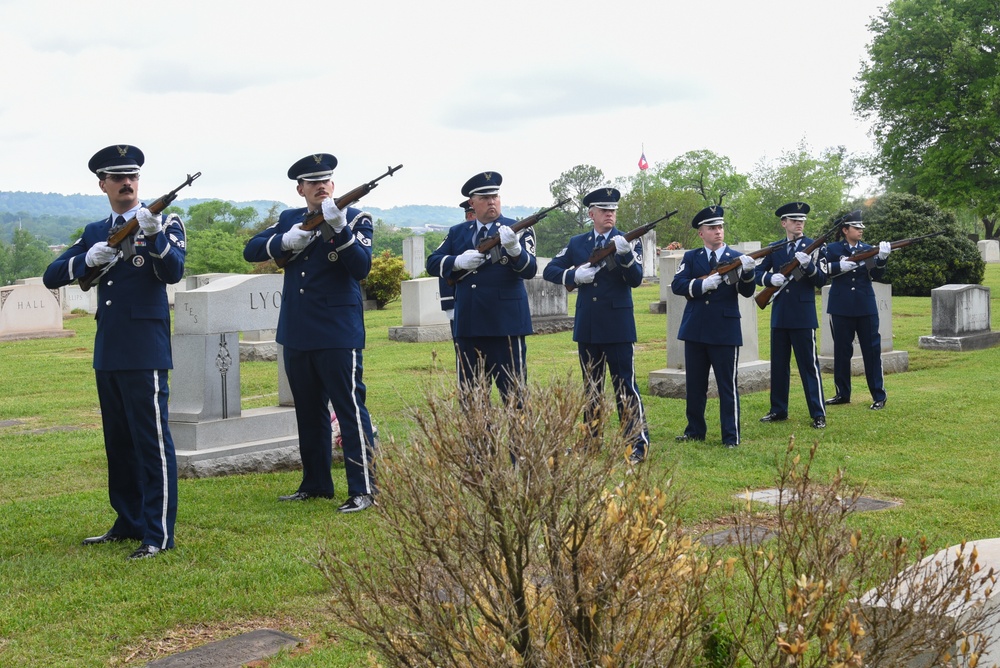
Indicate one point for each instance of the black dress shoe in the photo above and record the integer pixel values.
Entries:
(689, 437)
(144, 552)
(819, 422)
(774, 417)
(878, 405)
(730, 446)
(303, 496)
(837, 400)
(106, 538)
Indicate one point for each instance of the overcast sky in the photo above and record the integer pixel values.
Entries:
(241, 90)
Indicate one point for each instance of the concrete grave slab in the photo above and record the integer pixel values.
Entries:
(232, 652)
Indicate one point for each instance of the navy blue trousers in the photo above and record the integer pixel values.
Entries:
(723, 360)
(619, 358)
(334, 376)
(502, 358)
(142, 466)
(844, 329)
(803, 343)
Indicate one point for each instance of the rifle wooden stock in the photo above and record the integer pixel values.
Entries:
(492, 241)
(131, 226)
(765, 296)
(724, 269)
(601, 254)
(315, 219)
(861, 256)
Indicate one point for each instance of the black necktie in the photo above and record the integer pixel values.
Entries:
(711, 260)
(119, 221)
(480, 236)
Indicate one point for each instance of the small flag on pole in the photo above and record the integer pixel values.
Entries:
(643, 165)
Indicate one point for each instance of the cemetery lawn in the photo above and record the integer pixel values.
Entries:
(244, 561)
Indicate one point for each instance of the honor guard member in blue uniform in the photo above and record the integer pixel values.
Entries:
(132, 351)
(321, 327)
(793, 316)
(491, 302)
(604, 326)
(710, 326)
(853, 311)
(447, 291)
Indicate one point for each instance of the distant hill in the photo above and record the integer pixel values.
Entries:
(56, 216)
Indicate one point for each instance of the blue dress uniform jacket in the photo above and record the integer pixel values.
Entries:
(851, 293)
(321, 302)
(604, 310)
(492, 300)
(131, 358)
(322, 330)
(710, 329)
(793, 326)
(133, 315)
(604, 328)
(853, 312)
(709, 317)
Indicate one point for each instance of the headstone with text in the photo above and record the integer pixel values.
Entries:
(989, 250)
(31, 312)
(212, 434)
(960, 319)
(413, 255)
(548, 303)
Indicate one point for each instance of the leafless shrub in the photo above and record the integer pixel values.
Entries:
(802, 599)
(507, 542)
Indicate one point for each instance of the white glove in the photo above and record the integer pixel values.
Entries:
(509, 240)
(803, 258)
(150, 222)
(777, 279)
(847, 265)
(100, 254)
(711, 283)
(622, 247)
(884, 248)
(333, 215)
(584, 273)
(747, 264)
(295, 239)
(470, 259)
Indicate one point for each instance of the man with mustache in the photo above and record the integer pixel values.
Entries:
(132, 351)
(321, 328)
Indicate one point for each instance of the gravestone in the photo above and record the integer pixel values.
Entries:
(423, 319)
(71, 296)
(893, 361)
(231, 652)
(413, 255)
(989, 250)
(960, 319)
(548, 303)
(31, 312)
(649, 262)
(753, 374)
(988, 558)
(212, 434)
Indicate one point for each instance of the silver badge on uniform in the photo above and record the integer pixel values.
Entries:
(365, 241)
(138, 261)
(529, 243)
(680, 268)
(504, 260)
(332, 257)
(562, 252)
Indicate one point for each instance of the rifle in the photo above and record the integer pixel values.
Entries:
(601, 254)
(123, 237)
(766, 296)
(316, 220)
(488, 246)
(727, 270)
(862, 257)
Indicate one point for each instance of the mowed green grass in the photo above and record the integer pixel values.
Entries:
(245, 561)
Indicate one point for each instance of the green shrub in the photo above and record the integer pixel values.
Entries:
(917, 269)
(384, 280)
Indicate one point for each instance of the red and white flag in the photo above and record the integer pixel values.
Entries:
(643, 165)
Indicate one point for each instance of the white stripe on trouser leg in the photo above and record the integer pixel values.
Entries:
(634, 387)
(814, 360)
(736, 396)
(357, 418)
(163, 460)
